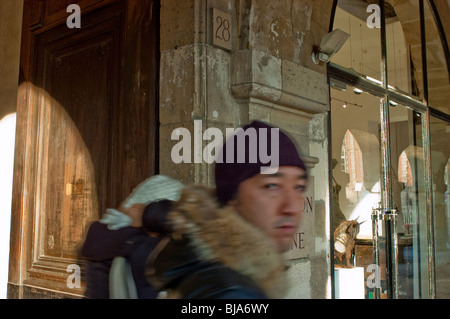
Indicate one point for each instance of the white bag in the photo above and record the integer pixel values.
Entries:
(121, 281)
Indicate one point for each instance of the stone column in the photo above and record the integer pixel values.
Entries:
(267, 75)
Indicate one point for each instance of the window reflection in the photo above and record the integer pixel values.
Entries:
(438, 76)
(362, 52)
(406, 195)
(356, 139)
(353, 166)
(440, 157)
(409, 199)
(356, 154)
(404, 49)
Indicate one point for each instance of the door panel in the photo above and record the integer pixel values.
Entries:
(76, 121)
(440, 157)
(409, 199)
(75, 156)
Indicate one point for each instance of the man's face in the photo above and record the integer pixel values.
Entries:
(273, 203)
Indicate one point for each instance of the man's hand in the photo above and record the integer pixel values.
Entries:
(135, 212)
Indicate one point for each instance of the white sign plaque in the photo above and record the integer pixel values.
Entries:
(303, 243)
(222, 29)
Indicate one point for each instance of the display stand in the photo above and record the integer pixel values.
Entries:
(349, 283)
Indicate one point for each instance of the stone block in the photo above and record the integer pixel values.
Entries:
(255, 74)
(177, 85)
(299, 276)
(221, 105)
(291, 122)
(279, 28)
(177, 24)
(189, 171)
(182, 172)
(305, 83)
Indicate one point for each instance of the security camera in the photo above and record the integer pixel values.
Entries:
(331, 43)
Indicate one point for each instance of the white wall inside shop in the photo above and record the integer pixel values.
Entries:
(7, 132)
(10, 39)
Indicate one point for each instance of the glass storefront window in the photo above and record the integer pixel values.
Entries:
(404, 49)
(380, 147)
(437, 73)
(356, 154)
(362, 51)
(356, 179)
(356, 131)
(409, 200)
(440, 157)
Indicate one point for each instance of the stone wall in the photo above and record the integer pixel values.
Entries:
(11, 20)
(268, 75)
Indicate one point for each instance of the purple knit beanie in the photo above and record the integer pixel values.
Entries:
(254, 149)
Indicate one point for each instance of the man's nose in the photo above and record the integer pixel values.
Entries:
(293, 202)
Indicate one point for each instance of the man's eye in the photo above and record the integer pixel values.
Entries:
(270, 186)
(300, 187)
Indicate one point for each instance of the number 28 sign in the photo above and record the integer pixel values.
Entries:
(222, 29)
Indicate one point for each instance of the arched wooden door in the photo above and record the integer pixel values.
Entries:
(86, 131)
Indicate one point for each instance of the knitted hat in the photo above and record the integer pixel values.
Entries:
(266, 148)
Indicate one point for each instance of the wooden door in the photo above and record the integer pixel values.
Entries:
(86, 132)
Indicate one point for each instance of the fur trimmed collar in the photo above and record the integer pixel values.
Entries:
(222, 235)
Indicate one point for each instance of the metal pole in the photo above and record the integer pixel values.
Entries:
(376, 214)
(387, 180)
(427, 160)
(385, 121)
(390, 220)
(390, 224)
(389, 261)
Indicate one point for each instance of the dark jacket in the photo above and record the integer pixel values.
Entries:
(179, 268)
(214, 253)
(102, 245)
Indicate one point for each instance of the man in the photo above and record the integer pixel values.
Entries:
(230, 245)
(102, 245)
(117, 246)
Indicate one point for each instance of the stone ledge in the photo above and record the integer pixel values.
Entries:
(255, 74)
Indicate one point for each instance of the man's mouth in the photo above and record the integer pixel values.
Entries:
(287, 230)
